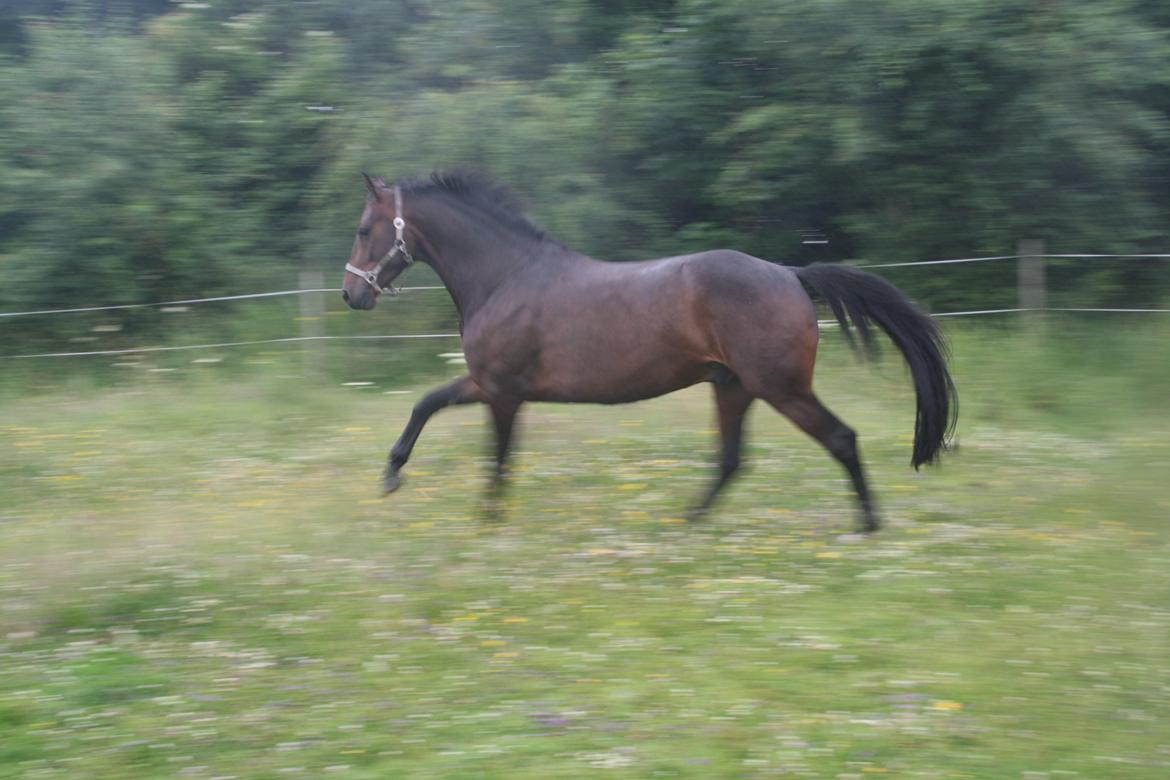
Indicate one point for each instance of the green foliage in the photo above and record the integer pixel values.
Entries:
(156, 150)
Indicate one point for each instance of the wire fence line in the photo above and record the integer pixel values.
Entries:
(1047, 308)
(1043, 256)
(181, 347)
(940, 262)
(406, 336)
(303, 291)
(293, 339)
(189, 301)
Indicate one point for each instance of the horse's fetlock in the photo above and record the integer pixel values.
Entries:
(729, 466)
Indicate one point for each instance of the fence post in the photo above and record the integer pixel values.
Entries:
(1030, 277)
(312, 321)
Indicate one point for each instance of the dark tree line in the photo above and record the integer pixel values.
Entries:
(152, 149)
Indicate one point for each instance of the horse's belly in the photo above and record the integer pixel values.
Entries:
(614, 377)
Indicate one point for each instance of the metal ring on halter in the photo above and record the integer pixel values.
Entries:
(371, 277)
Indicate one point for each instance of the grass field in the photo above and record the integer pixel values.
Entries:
(199, 579)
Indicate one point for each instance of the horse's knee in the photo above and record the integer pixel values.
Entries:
(423, 410)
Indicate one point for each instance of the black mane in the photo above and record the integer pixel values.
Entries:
(480, 192)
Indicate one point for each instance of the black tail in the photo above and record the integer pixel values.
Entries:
(866, 297)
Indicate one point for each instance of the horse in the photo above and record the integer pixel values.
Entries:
(541, 322)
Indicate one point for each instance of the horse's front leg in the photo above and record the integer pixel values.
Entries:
(463, 390)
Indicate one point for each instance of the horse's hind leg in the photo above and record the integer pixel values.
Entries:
(732, 402)
(462, 391)
(504, 417)
(807, 412)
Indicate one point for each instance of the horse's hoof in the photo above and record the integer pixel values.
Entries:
(493, 508)
(390, 483)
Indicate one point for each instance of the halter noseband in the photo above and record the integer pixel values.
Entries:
(399, 248)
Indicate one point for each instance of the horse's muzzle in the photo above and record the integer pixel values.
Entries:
(362, 300)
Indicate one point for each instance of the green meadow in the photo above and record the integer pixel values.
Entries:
(199, 578)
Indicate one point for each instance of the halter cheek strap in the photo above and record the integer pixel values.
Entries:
(399, 248)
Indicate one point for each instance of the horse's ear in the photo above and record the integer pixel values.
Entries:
(373, 185)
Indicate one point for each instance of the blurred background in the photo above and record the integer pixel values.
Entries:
(157, 150)
(198, 579)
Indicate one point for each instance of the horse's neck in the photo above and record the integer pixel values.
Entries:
(471, 256)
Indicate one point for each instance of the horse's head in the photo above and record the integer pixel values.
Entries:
(379, 252)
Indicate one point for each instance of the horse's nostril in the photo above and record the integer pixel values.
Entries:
(345, 295)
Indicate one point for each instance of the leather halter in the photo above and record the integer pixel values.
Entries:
(399, 248)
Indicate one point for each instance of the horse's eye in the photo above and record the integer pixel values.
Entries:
(364, 232)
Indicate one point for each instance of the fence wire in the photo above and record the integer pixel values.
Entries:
(297, 339)
(278, 293)
(1009, 257)
(188, 301)
(407, 336)
(224, 344)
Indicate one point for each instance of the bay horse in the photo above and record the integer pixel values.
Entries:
(541, 322)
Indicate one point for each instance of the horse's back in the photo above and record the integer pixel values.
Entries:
(740, 278)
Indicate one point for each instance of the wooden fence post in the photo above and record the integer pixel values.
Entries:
(1033, 295)
(312, 321)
